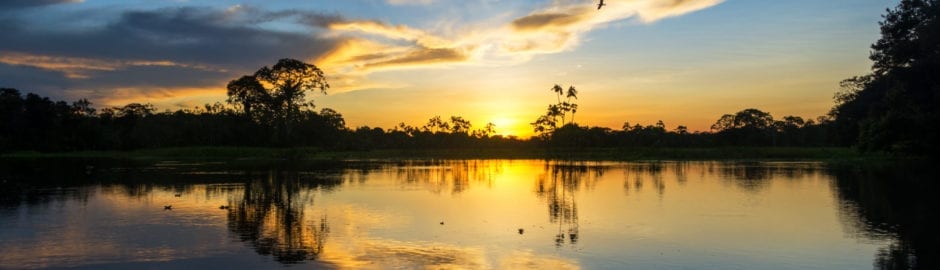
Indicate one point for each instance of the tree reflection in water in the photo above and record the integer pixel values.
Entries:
(270, 215)
(558, 189)
(651, 170)
(454, 175)
(896, 202)
(272, 212)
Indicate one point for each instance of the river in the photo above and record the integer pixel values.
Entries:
(467, 214)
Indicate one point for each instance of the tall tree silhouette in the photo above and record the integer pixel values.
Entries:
(282, 89)
(571, 106)
(248, 93)
(549, 122)
(894, 108)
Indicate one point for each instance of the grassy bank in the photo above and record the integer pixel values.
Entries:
(249, 154)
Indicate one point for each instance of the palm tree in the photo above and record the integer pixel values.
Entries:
(573, 107)
(558, 91)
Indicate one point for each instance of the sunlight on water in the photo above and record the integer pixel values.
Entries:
(456, 214)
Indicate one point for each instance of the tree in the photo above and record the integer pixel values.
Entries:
(549, 121)
(435, 125)
(571, 106)
(894, 107)
(288, 81)
(280, 90)
(333, 118)
(682, 130)
(247, 92)
(82, 107)
(748, 126)
(459, 125)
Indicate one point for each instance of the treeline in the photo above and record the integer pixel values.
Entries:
(744, 128)
(893, 109)
(33, 122)
(749, 127)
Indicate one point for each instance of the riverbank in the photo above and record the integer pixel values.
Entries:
(611, 154)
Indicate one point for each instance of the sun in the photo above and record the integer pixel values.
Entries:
(506, 126)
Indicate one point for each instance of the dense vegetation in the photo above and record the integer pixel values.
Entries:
(893, 109)
(32, 122)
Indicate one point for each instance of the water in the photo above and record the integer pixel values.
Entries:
(478, 214)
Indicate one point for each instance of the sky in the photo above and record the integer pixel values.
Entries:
(685, 62)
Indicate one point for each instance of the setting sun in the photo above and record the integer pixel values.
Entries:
(480, 134)
(506, 126)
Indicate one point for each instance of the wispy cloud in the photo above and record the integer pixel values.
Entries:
(554, 28)
(12, 4)
(200, 48)
(155, 50)
(81, 67)
(411, 2)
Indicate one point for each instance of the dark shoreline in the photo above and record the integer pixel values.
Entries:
(261, 154)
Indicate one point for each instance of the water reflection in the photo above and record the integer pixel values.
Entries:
(270, 215)
(896, 202)
(557, 187)
(439, 176)
(605, 214)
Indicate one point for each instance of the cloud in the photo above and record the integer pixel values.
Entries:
(163, 48)
(411, 2)
(80, 67)
(14, 4)
(203, 47)
(422, 56)
(398, 32)
(657, 10)
(541, 21)
(555, 28)
(162, 97)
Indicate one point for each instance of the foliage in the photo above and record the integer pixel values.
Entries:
(754, 127)
(556, 113)
(275, 96)
(894, 108)
(38, 123)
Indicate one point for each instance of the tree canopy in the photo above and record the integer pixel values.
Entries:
(894, 108)
(276, 95)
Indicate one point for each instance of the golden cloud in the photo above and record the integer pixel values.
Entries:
(657, 10)
(552, 29)
(400, 32)
(422, 56)
(175, 98)
(411, 2)
(81, 67)
(541, 21)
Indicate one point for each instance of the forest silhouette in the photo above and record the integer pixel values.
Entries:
(892, 109)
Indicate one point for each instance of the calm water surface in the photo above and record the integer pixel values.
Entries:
(479, 214)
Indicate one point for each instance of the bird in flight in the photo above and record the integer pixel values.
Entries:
(600, 5)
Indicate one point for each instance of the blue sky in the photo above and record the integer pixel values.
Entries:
(390, 61)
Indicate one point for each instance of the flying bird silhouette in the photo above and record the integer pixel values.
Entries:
(600, 5)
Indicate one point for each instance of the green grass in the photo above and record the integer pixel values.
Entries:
(250, 154)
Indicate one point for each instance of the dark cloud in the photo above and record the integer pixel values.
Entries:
(14, 4)
(320, 20)
(224, 44)
(30, 79)
(423, 56)
(545, 20)
(254, 15)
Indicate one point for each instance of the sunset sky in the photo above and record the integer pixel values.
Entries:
(685, 62)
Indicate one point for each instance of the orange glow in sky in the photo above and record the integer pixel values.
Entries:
(682, 62)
